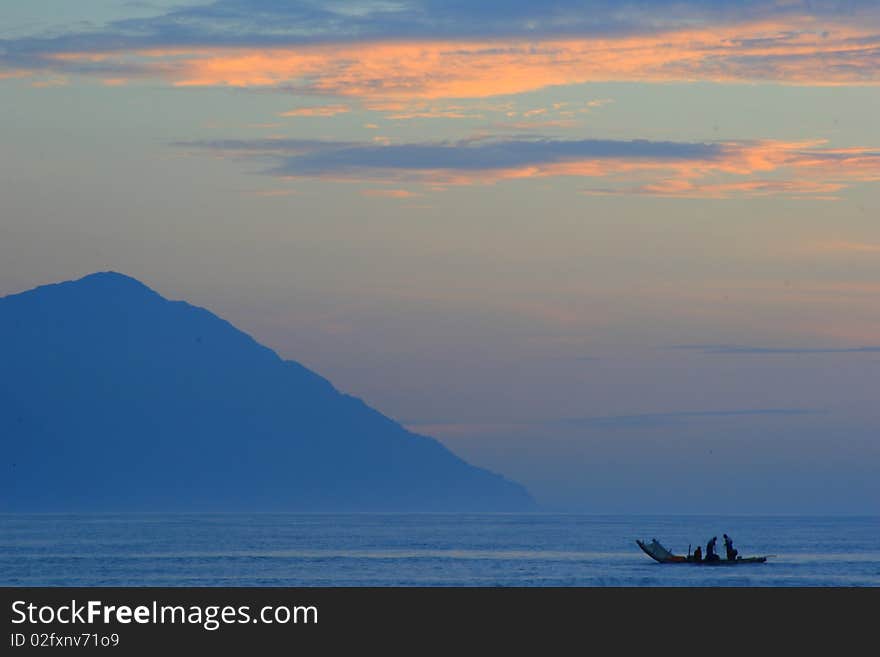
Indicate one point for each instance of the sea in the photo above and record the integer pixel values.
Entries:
(436, 549)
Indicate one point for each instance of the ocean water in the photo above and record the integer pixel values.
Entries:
(425, 550)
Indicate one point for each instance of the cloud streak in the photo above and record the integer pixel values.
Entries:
(675, 416)
(840, 246)
(432, 50)
(602, 421)
(695, 169)
(388, 193)
(773, 351)
(317, 110)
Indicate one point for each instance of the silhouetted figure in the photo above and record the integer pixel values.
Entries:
(698, 554)
(728, 546)
(710, 550)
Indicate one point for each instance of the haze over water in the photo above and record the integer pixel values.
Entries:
(425, 550)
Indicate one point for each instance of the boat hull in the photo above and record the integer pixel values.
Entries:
(661, 555)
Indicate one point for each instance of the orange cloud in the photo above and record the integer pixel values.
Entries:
(807, 169)
(12, 74)
(415, 109)
(535, 125)
(388, 193)
(798, 51)
(318, 110)
(683, 188)
(812, 171)
(51, 82)
(433, 114)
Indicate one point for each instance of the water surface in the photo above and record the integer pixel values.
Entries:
(424, 550)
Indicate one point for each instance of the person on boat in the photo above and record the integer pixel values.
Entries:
(710, 550)
(698, 554)
(728, 546)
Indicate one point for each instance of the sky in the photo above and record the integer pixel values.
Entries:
(625, 253)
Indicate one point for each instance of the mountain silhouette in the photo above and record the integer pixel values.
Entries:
(113, 398)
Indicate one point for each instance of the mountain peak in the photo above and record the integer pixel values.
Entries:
(109, 276)
(115, 398)
(110, 280)
(105, 285)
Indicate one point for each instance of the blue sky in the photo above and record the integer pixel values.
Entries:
(625, 253)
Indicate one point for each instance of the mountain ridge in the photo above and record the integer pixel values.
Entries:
(162, 405)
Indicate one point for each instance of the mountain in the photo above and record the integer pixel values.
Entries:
(115, 398)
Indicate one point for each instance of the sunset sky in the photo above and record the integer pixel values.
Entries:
(625, 253)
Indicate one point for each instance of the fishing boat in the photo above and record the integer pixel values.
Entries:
(661, 555)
